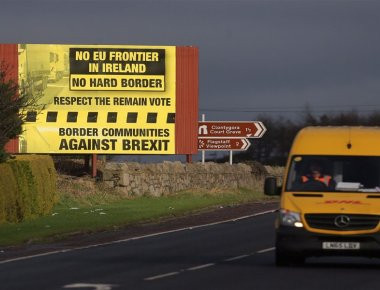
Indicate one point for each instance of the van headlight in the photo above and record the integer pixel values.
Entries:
(290, 218)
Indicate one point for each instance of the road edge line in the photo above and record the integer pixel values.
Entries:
(134, 238)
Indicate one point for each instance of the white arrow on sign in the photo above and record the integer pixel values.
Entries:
(246, 144)
(260, 129)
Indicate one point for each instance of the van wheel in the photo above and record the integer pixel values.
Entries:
(288, 259)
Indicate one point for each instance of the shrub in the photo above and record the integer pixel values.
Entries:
(27, 187)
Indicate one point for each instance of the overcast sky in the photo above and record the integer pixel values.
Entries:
(254, 55)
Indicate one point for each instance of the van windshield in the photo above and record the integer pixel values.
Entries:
(334, 173)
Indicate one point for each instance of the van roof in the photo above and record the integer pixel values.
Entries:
(342, 140)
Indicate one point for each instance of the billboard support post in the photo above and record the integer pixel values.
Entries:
(93, 165)
(203, 152)
(230, 157)
(87, 163)
(189, 158)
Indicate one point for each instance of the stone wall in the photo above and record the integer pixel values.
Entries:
(159, 179)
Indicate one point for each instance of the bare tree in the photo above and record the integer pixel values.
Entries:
(13, 107)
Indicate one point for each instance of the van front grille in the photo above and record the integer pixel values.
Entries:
(342, 222)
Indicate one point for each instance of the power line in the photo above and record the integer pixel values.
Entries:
(298, 110)
(299, 107)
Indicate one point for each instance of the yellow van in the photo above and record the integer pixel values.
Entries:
(330, 197)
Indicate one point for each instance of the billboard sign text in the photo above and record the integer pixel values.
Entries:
(105, 99)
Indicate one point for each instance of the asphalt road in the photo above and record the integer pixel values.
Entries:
(233, 255)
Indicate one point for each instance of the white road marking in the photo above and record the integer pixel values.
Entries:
(237, 258)
(34, 256)
(265, 250)
(135, 238)
(161, 276)
(89, 285)
(208, 265)
(200, 267)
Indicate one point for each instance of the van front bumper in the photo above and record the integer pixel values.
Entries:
(299, 241)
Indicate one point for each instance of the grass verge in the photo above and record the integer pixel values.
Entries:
(96, 212)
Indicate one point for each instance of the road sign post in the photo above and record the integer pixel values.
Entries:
(203, 152)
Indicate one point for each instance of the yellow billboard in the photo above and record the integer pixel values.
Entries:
(106, 99)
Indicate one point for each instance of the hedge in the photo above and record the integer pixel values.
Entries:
(27, 187)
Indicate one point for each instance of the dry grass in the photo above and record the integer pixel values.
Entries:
(85, 191)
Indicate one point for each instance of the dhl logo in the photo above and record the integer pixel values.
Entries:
(337, 201)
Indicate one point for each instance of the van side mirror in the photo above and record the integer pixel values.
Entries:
(270, 186)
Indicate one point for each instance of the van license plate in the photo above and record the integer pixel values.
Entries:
(340, 246)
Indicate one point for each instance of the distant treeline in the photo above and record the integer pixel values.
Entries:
(274, 146)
